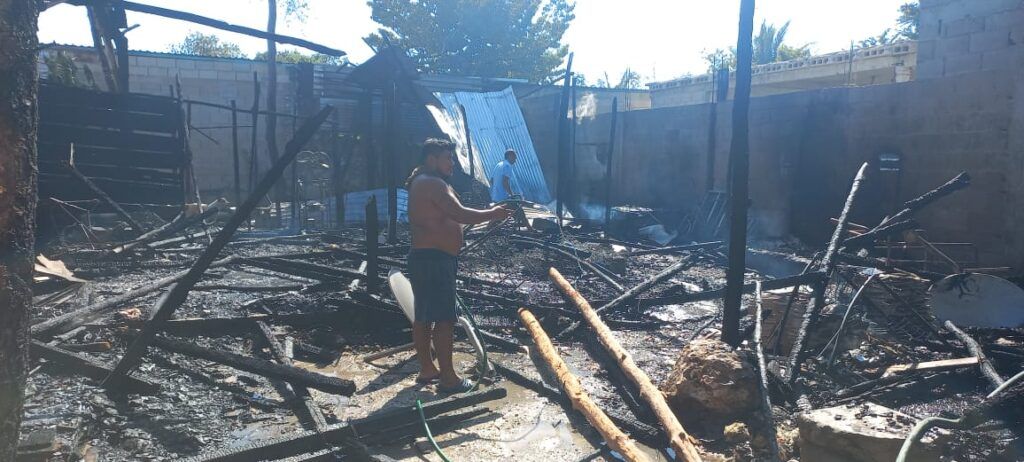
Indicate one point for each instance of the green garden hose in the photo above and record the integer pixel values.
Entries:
(430, 436)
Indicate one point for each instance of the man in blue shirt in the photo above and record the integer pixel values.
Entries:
(503, 178)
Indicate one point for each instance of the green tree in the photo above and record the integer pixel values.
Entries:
(200, 44)
(487, 38)
(61, 68)
(719, 59)
(295, 57)
(885, 38)
(909, 20)
(630, 80)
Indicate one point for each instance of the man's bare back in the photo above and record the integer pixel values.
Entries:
(433, 227)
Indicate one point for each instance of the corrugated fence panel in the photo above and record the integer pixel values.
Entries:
(496, 124)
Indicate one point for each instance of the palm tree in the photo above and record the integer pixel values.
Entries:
(770, 47)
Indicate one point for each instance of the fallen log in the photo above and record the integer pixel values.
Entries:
(910, 207)
(179, 223)
(189, 327)
(308, 411)
(677, 248)
(580, 399)
(869, 238)
(304, 442)
(636, 429)
(682, 443)
(972, 346)
(268, 369)
(633, 293)
(87, 367)
(93, 312)
(770, 284)
(241, 288)
(576, 251)
(828, 261)
(177, 294)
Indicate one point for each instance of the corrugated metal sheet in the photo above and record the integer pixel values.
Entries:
(496, 124)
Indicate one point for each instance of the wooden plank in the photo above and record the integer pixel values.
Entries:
(58, 115)
(98, 155)
(581, 401)
(110, 138)
(131, 102)
(940, 365)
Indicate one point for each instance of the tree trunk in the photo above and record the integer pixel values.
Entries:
(18, 118)
(272, 96)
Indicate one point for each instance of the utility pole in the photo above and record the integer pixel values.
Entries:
(739, 161)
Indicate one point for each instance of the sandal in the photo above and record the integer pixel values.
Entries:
(427, 381)
(461, 387)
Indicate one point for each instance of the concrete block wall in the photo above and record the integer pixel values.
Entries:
(964, 36)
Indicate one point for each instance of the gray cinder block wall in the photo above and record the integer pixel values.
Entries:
(960, 115)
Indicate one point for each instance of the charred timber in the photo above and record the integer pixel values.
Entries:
(307, 409)
(87, 367)
(137, 228)
(972, 346)
(178, 292)
(678, 248)
(870, 237)
(631, 294)
(828, 260)
(307, 441)
(267, 369)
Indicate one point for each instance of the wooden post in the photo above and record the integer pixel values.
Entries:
(469, 144)
(581, 401)
(393, 111)
(18, 123)
(739, 163)
(762, 371)
(608, 165)
(681, 441)
(563, 142)
(372, 231)
(174, 297)
(972, 346)
(234, 151)
(254, 158)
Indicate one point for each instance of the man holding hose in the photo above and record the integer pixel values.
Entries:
(436, 217)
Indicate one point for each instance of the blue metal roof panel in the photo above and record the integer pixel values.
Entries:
(496, 124)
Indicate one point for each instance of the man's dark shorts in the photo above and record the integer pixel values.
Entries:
(432, 274)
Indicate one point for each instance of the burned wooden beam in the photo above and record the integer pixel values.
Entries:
(137, 229)
(584, 263)
(268, 369)
(762, 383)
(635, 292)
(581, 401)
(372, 231)
(308, 411)
(217, 24)
(92, 312)
(828, 261)
(770, 284)
(174, 297)
(179, 223)
(681, 441)
(972, 346)
(304, 442)
(677, 248)
(80, 364)
(869, 238)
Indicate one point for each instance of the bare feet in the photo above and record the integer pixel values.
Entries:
(427, 376)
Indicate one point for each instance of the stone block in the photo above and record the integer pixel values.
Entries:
(207, 74)
(243, 66)
(961, 64)
(962, 26)
(226, 75)
(157, 71)
(989, 41)
(188, 73)
(185, 63)
(861, 433)
(223, 65)
(1005, 59)
(952, 46)
(146, 61)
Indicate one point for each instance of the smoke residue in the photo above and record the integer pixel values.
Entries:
(586, 107)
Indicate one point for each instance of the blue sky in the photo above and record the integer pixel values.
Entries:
(660, 39)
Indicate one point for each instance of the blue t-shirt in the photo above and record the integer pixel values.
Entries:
(502, 170)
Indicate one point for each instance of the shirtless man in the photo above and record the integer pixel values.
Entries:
(436, 217)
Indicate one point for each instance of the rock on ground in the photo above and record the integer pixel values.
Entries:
(712, 383)
(861, 433)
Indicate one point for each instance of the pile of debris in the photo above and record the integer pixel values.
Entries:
(198, 340)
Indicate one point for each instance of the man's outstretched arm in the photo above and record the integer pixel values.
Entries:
(445, 199)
